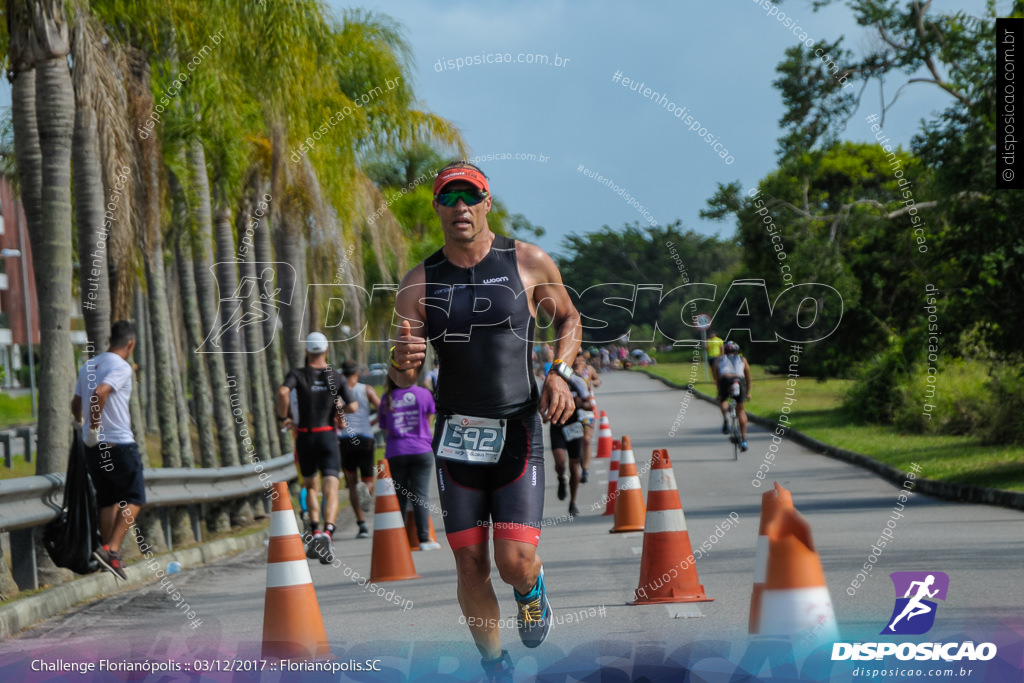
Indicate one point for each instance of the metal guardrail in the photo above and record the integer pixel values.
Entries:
(31, 501)
(28, 502)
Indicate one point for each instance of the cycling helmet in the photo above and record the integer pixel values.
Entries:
(732, 347)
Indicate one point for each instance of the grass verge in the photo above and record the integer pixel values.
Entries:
(818, 413)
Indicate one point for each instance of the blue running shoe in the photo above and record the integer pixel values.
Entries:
(534, 613)
(498, 670)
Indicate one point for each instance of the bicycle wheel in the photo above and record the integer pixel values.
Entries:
(734, 432)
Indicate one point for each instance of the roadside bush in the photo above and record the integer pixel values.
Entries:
(877, 395)
(1005, 397)
(956, 402)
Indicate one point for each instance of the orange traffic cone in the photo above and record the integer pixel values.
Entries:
(666, 543)
(604, 437)
(413, 534)
(795, 600)
(392, 558)
(629, 503)
(613, 479)
(771, 502)
(292, 625)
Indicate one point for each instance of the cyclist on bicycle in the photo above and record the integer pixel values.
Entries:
(734, 368)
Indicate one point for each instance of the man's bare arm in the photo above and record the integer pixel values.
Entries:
(548, 293)
(76, 408)
(101, 394)
(410, 346)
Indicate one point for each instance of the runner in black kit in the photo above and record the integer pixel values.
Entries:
(468, 300)
(567, 443)
(323, 396)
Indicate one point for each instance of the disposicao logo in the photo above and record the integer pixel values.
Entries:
(914, 612)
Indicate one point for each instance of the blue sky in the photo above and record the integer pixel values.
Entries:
(715, 57)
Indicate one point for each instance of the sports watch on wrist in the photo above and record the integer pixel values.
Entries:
(562, 369)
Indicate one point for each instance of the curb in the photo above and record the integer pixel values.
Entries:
(945, 490)
(25, 612)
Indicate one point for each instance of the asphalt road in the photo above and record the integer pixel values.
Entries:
(591, 574)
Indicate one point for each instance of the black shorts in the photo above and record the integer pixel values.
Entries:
(116, 472)
(711, 361)
(508, 495)
(725, 389)
(317, 451)
(574, 448)
(357, 454)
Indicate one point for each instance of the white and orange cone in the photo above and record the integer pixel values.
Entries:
(613, 478)
(604, 437)
(293, 627)
(391, 558)
(795, 601)
(771, 502)
(629, 497)
(666, 543)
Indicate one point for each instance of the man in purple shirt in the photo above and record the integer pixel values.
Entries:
(404, 414)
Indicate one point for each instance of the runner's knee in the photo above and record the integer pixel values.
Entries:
(473, 564)
(515, 561)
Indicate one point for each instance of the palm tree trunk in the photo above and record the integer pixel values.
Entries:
(147, 159)
(51, 238)
(273, 371)
(178, 367)
(290, 250)
(202, 401)
(227, 283)
(206, 292)
(167, 408)
(148, 397)
(93, 277)
(262, 425)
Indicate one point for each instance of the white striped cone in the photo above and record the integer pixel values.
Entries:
(293, 627)
(771, 502)
(668, 572)
(613, 478)
(391, 559)
(629, 498)
(604, 437)
(795, 601)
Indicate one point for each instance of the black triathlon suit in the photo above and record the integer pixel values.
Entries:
(315, 442)
(488, 376)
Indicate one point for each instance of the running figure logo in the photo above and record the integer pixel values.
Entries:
(914, 613)
(255, 300)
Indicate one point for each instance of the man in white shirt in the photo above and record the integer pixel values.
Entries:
(104, 391)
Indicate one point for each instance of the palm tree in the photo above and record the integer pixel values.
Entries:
(147, 161)
(50, 236)
(199, 379)
(94, 284)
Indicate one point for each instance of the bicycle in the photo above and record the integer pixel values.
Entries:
(734, 425)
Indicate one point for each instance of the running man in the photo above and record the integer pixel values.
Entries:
(111, 454)
(568, 441)
(732, 366)
(358, 447)
(589, 375)
(467, 300)
(322, 396)
(915, 607)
